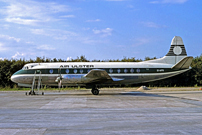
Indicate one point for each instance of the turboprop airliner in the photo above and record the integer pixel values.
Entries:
(95, 75)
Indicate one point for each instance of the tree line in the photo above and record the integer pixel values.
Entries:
(192, 77)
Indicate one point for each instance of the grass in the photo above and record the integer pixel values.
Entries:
(13, 89)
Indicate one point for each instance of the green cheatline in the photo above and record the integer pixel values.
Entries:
(85, 71)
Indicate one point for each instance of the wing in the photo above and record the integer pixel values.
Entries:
(98, 75)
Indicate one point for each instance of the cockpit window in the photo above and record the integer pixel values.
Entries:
(25, 68)
(28, 67)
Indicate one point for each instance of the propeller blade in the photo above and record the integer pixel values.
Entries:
(59, 84)
(59, 79)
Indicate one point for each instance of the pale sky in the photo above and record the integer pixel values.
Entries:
(98, 29)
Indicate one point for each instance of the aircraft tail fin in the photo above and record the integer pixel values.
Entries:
(176, 53)
(177, 47)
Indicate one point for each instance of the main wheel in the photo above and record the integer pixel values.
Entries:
(95, 91)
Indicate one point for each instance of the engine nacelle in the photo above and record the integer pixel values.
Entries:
(73, 79)
(57, 79)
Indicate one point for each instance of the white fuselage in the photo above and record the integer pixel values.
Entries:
(74, 72)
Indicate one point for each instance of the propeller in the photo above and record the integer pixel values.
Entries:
(59, 79)
(59, 84)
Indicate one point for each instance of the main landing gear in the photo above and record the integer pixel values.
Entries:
(95, 91)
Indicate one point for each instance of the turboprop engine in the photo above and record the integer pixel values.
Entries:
(71, 79)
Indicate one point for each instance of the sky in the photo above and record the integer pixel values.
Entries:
(98, 29)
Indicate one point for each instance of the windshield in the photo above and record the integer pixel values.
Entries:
(25, 68)
(29, 66)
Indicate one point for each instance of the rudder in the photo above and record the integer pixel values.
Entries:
(176, 53)
(177, 47)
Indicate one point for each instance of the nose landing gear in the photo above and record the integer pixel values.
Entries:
(33, 93)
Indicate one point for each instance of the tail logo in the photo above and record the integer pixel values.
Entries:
(177, 50)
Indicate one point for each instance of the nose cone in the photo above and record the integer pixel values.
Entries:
(14, 78)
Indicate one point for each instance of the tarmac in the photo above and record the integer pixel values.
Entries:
(113, 111)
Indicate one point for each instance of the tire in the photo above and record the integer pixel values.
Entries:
(95, 91)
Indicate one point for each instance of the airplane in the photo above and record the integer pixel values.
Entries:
(95, 75)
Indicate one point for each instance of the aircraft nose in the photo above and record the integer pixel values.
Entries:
(14, 78)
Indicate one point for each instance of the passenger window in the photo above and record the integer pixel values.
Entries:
(75, 71)
(131, 70)
(51, 71)
(81, 71)
(125, 70)
(67, 71)
(110, 70)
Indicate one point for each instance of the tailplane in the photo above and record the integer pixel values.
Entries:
(183, 64)
(176, 53)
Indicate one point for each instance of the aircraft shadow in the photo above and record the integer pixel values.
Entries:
(104, 93)
(137, 93)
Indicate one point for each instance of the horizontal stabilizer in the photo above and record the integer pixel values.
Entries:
(183, 64)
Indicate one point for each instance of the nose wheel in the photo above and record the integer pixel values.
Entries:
(33, 93)
(95, 91)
